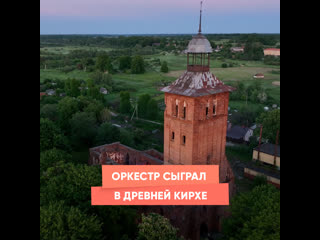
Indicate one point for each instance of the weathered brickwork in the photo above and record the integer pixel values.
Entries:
(116, 153)
(197, 134)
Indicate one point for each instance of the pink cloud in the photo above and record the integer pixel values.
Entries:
(148, 7)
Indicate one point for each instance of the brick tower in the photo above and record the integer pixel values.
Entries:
(195, 119)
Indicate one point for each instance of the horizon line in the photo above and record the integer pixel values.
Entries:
(116, 34)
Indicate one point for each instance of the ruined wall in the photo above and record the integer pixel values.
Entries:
(117, 153)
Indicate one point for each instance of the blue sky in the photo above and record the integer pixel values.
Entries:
(154, 17)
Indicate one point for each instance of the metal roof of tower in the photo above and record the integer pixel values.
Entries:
(199, 44)
(196, 84)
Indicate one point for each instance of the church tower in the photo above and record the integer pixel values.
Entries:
(195, 119)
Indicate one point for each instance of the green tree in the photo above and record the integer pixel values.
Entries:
(271, 124)
(125, 105)
(60, 222)
(244, 117)
(66, 108)
(104, 64)
(72, 87)
(105, 115)
(164, 67)
(83, 128)
(126, 138)
(156, 227)
(49, 111)
(51, 157)
(125, 62)
(51, 136)
(143, 103)
(94, 91)
(253, 50)
(70, 183)
(153, 109)
(255, 215)
(137, 66)
(94, 107)
(107, 134)
(101, 78)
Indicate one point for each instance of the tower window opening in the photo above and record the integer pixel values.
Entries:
(207, 111)
(208, 159)
(172, 136)
(184, 140)
(214, 109)
(177, 110)
(184, 112)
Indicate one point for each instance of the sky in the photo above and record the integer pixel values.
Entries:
(158, 16)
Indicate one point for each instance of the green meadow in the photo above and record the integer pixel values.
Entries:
(150, 82)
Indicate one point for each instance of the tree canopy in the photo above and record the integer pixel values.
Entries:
(271, 124)
(156, 227)
(254, 215)
(137, 66)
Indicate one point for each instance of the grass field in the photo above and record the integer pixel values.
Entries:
(150, 82)
(68, 49)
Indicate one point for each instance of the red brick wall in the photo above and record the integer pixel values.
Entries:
(205, 135)
(117, 153)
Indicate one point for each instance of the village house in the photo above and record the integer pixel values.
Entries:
(50, 92)
(239, 134)
(272, 52)
(259, 76)
(268, 154)
(237, 49)
(218, 48)
(104, 91)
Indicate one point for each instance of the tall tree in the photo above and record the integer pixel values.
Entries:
(66, 108)
(137, 66)
(125, 62)
(164, 67)
(271, 124)
(143, 103)
(104, 64)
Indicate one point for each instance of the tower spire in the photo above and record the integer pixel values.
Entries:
(200, 17)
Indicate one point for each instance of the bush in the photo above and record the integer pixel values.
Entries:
(60, 222)
(164, 67)
(224, 65)
(156, 227)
